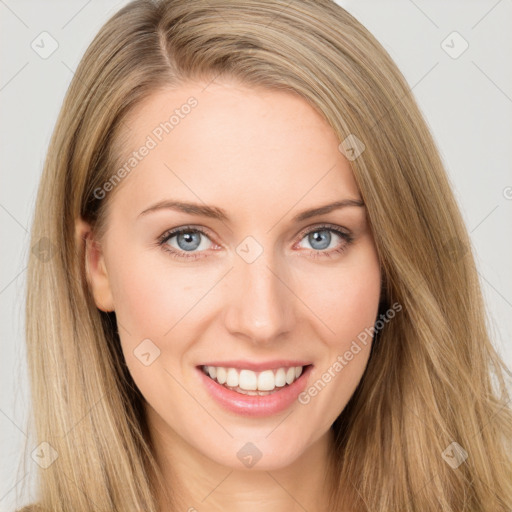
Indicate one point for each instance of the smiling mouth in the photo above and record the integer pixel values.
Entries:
(248, 382)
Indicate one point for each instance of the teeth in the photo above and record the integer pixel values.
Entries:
(232, 378)
(280, 378)
(253, 382)
(221, 374)
(266, 381)
(248, 380)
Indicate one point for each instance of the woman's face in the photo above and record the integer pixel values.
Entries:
(252, 283)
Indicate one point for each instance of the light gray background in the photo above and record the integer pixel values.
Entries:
(466, 101)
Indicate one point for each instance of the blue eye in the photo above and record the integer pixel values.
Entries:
(320, 238)
(187, 238)
(189, 244)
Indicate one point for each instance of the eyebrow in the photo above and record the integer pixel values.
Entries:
(218, 213)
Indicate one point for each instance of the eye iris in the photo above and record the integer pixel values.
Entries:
(325, 240)
(188, 237)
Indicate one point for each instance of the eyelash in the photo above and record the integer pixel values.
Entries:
(163, 239)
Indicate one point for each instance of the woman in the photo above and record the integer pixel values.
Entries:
(261, 292)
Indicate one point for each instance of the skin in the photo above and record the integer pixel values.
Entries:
(263, 156)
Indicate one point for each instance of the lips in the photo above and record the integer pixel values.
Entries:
(255, 406)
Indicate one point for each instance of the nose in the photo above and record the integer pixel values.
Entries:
(260, 303)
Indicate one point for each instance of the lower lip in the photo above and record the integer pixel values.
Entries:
(256, 405)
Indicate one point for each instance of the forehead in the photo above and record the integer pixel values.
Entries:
(224, 140)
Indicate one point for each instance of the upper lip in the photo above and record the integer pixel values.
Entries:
(257, 367)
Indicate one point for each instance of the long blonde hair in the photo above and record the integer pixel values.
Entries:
(433, 377)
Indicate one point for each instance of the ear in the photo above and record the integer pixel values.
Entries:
(95, 268)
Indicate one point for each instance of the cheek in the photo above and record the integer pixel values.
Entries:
(154, 305)
(158, 300)
(346, 297)
(359, 302)
(151, 295)
(349, 307)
